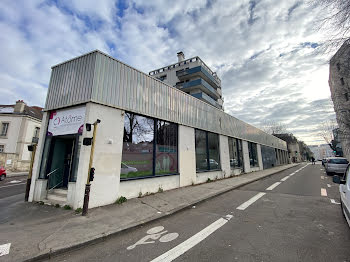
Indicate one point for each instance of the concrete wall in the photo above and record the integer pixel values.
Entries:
(37, 186)
(224, 157)
(107, 157)
(133, 188)
(187, 156)
(259, 157)
(246, 163)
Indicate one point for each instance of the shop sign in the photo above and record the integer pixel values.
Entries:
(66, 121)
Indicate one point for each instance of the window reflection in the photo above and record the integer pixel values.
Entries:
(166, 154)
(137, 157)
(253, 154)
(207, 151)
(149, 147)
(235, 152)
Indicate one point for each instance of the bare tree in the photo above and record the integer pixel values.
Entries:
(273, 127)
(336, 22)
(326, 132)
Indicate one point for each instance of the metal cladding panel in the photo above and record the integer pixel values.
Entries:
(71, 82)
(100, 78)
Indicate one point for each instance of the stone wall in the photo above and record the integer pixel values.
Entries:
(11, 163)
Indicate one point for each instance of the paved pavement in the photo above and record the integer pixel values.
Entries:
(292, 221)
(38, 231)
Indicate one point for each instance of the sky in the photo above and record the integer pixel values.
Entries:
(268, 53)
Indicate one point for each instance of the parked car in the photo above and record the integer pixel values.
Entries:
(336, 165)
(324, 160)
(212, 163)
(127, 169)
(2, 173)
(344, 190)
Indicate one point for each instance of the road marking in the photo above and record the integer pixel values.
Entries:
(250, 201)
(328, 185)
(285, 178)
(292, 174)
(334, 202)
(192, 241)
(154, 234)
(15, 181)
(273, 186)
(5, 249)
(323, 192)
(322, 177)
(14, 185)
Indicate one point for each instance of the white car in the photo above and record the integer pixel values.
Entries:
(336, 165)
(344, 189)
(127, 169)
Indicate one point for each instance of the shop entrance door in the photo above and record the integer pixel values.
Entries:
(60, 164)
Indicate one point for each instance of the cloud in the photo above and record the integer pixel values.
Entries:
(265, 51)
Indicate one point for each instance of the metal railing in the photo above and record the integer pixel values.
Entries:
(51, 175)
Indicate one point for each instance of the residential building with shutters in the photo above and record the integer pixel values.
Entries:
(19, 127)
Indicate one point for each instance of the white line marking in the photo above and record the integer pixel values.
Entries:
(285, 178)
(14, 185)
(292, 174)
(323, 192)
(192, 241)
(273, 186)
(15, 181)
(328, 185)
(5, 249)
(322, 177)
(250, 201)
(334, 202)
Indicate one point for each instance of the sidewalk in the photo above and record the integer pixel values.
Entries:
(43, 230)
(13, 174)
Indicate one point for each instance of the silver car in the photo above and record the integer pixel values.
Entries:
(336, 165)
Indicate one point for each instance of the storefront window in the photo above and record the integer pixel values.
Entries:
(166, 148)
(207, 151)
(253, 154)
(268, 157)
(149, 147)
(235, 152)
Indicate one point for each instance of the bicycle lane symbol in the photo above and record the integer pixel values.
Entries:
(155, 234)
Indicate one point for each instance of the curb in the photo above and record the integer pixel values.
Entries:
(104, 236)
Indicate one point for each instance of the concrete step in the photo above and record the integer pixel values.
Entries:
(57, 199)
(59, 191)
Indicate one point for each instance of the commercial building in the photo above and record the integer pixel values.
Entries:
(20, 125)
(339, 83)
(193, 77)
(151, 136)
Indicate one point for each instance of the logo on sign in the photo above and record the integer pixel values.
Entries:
(70, 119)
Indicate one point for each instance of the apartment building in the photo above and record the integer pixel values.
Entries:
(193, 77)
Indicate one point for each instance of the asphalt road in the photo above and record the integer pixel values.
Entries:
(12, 191)
(280, 218)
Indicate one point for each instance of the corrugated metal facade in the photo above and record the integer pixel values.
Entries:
(100, 78)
